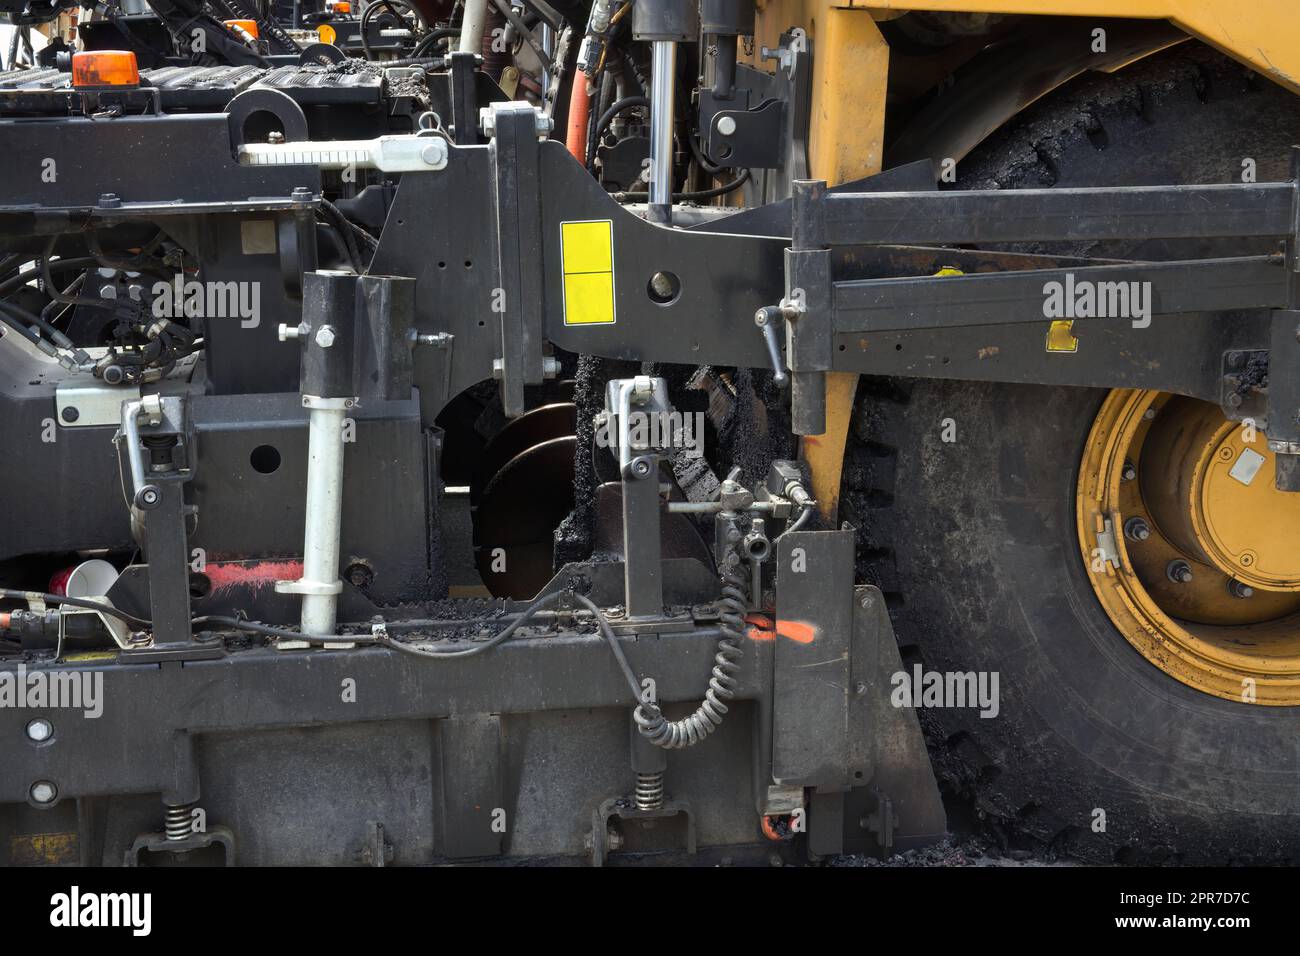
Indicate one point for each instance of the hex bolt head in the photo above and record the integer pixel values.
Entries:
(42, 791)
(1179, 571)
(39, 730)
(1137, 529)
(727, 125)
(325, 336)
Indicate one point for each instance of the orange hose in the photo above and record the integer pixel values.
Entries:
(579, 117)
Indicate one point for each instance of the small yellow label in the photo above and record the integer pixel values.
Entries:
(587, 256)
(1060, 337)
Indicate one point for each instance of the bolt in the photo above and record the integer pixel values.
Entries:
(432, 154)
(325, 336)
(662, 285)
(43, 791)
(1129, 472)
(149, 496)
(301, 194)
(39, 729)
(109, 200)
(108, 292)
(726, 125)
(1239, 589)
(1179, 571)
(641, 467)
(1149, 414)
(1137, 529)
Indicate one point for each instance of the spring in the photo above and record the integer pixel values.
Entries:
(650, 791)
(677, 734)
(179, 821)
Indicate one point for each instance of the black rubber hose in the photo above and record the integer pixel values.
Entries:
(20, 280)
(53, 334)
(607, 117)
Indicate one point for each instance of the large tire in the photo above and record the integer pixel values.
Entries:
(974, 541)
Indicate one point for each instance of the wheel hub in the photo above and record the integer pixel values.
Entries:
(1189, 546)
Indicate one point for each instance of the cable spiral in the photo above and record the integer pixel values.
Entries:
(678, 734)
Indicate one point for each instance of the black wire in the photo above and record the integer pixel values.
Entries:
(497, 639)
(344, 228)
(699, 194)
(12, 594)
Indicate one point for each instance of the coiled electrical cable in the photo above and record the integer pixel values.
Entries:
(690, 730)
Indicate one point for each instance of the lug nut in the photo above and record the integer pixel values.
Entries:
(1239, 589)
(1137, 529)
(1180, 572)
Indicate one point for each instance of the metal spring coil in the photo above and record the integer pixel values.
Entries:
(677, 734)
(179, 821)
(650, 791)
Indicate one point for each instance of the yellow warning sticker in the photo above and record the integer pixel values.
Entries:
(587, 257)
(1060, 336)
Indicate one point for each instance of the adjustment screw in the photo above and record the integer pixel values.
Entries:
(1180, 572)
(1137, 529)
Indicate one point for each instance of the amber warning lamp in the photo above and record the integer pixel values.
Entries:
(104, 69)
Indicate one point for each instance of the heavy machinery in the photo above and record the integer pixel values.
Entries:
(669, 430)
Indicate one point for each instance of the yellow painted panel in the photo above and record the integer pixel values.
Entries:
(1264, 34)
(589, 298)
(588, 246)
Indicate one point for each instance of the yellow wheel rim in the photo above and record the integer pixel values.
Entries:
(1191, 551)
